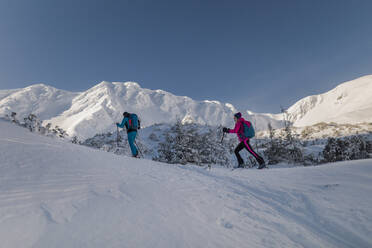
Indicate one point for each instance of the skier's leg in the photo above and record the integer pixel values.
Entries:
(131, 138)
(259, 159)
(237, 150)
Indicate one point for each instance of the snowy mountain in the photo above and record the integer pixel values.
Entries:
(96, 110)
(349, 102)
(57, 194)
(42, 100)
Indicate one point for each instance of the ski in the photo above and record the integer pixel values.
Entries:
(239, 167)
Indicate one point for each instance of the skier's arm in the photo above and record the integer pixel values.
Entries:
(125, 119)
(237, 127)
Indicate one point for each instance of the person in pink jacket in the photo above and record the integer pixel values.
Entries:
(240, 125)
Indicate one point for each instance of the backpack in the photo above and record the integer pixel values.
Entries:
(133, 122)
(248, 129)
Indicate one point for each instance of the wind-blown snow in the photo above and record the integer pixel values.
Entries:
(56, 194)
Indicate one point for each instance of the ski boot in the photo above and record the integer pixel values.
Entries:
(262, 165)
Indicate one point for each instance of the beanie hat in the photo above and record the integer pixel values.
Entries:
(238, 115)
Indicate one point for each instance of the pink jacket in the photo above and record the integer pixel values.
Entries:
(239, 128)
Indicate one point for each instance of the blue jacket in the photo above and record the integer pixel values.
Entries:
(125, 122)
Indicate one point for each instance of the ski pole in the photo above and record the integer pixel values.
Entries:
(223, 135)
(139, 149)
(117, 136)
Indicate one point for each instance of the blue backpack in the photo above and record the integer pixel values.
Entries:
(248, 129)
(133, 122)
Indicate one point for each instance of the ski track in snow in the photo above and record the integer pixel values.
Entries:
(56, 194)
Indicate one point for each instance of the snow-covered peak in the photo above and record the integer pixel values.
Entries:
(40, 99)
(40, 85)
(349, 102)
(231, 107)
(214, 102)
(113, 84)
(102, 84)
(132, 84)
(97, 109)
(362, 82)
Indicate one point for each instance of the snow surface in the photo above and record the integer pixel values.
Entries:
(57, 194)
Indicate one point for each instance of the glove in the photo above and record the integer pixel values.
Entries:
(117, 124)
(225, 130)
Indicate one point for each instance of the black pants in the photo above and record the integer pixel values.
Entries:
(245, 144)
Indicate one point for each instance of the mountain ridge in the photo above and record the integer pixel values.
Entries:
(97, 109)
(342, 104)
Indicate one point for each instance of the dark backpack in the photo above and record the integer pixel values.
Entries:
(133, 122)
(248, 129)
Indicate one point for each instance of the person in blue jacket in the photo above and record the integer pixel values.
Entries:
(132, 124)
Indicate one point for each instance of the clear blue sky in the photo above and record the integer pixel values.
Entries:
(257, 55)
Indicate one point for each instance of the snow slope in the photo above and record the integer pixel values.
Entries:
(349, 102)
(56, 194)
